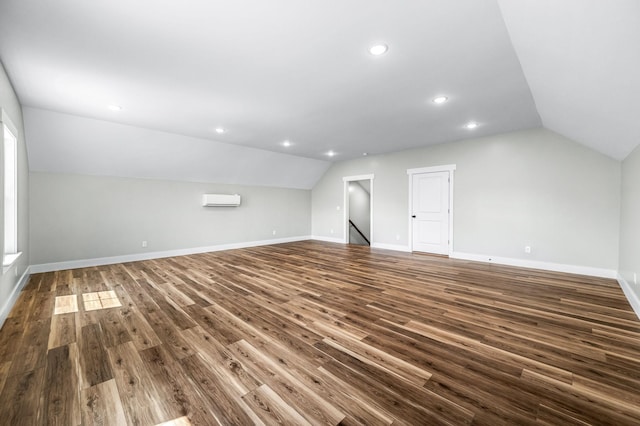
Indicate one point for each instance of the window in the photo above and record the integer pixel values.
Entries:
(10, 147)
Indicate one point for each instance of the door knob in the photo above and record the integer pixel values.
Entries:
(413, 216)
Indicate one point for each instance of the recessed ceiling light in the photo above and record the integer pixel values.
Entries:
(471, 125)
(331, 153)
(286, 144)
(378, 49)
(440, 100)
(364, 154)
(114, 107)
(220, 130)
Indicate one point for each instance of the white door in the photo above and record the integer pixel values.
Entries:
(430, 215)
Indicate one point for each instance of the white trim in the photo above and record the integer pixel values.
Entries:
(632, 296)
(358, 177)
(10, 188)
(435, 169)
(9, 260)
(345, 213)
(13, 297)
(534, 264)
(394, 247)
(328, 239)
(85, 263)
(6, 120)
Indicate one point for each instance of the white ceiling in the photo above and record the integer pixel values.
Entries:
(300, 70)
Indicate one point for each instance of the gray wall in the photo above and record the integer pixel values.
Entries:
(76, 217)
(630, 221)
(9, 280)
(533, 188)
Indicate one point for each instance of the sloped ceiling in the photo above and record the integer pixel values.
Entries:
(581, 59)
(59, 143)
(301, 71)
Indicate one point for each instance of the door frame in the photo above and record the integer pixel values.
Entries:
(345, 219)
(445, 168)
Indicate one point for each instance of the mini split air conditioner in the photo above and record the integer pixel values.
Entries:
(220, 200)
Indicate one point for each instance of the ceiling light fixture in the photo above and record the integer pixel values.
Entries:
(286, 144)
(220, 130)
(331, 153)
(114, 107)
(364, 154)
(440, 100)
(471, 125)
(378, 49)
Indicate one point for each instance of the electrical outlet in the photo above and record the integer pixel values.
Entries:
(527, 249)
(635, 278)
(397, 237)
(144, 244)
(274, 232)
(337, 207)
(332, 231)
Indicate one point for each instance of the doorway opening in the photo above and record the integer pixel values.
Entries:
(358, 211)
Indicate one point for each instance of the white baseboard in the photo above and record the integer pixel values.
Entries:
(8, 304)
(394, 247)
(86, 263)
(632, 296)
(534, 264)
(328, 239)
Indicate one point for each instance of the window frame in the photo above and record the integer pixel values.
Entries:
(10, 252)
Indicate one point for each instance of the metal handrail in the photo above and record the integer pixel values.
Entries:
(359, 232)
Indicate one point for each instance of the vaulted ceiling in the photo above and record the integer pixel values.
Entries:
(301, 71)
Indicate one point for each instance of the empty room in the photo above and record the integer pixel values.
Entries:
(422, 212)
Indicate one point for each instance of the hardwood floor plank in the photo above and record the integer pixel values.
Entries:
(42, 307)
(5, 368)
(609, 408)
(141, 333)
(371, 355)
(101, 405)
(320, 333)
(141, 401)
(176, 315)
(208, 319)
(416, 402)
(63, 330)
(27, 296)
(554, 416)
(173, 388)
(31, 352)
(272, 409)
(181, 421)
(61, 398)
(227, 368)
(94, 360)
(115, 333)
(224, 406)
(11, 337)
(22, 398)
(310, 405)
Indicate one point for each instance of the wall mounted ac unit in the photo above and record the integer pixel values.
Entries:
(220, 200)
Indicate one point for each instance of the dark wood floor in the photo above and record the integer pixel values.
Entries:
(319, 333)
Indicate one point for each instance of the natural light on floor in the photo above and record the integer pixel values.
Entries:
(92, 302)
